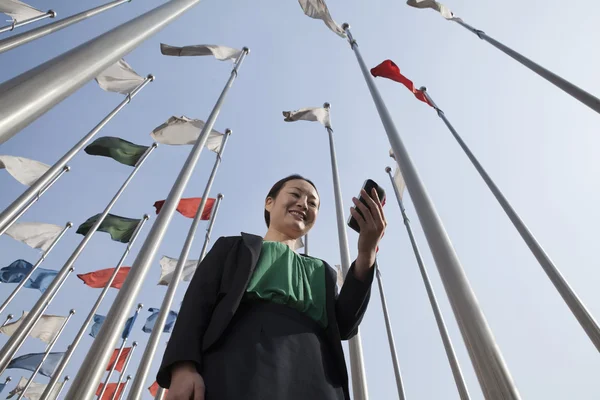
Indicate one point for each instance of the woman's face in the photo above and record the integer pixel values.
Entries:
(294, 211)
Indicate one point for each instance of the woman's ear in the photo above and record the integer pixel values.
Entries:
(269, 204)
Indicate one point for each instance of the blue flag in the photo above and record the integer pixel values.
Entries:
(149, 325)
(31, 361)
(99, 320)
(18, 270)
(2, 386)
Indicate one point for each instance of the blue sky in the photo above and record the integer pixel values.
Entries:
(538, 144)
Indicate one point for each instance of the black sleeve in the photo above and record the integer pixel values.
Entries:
(185, 343)
(352, 302)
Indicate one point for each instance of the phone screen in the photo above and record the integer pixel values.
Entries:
(368, 186)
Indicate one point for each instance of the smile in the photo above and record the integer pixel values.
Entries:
(298, 215)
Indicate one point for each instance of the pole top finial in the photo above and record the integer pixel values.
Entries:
(71, 269)
(247, 50)
(345, 26)
(146, 217)
(228, 131)
(423, 88)
(72, 311)
(134, 344)
(69, 224)
(140, 306)
(10, 316)
(67, 168)
(327, 105)
(128, 377)
(8, 379)
(154, 145)
(151, 77)
(388, 169)
(52, 13)
(220, 196)
(67, 378)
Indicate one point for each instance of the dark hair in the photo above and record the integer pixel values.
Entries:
(277, 188)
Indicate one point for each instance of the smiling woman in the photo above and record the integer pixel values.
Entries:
(261, 321)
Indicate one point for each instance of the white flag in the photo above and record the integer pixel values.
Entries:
(18, 10)
(317, 9)
(183, 130)
(340, 276)
(35, 234)
(35, 390)
(45, 330)
(23, 169)
(222, 53)
(319, 114)
(167, 268)
(119, 77)
(399, 181)
(435, 5)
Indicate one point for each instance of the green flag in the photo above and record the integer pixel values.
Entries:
(118, 149)
(120, 228)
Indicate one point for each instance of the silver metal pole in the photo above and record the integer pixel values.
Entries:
(9, 348)
(579, 310)
(26, 37)
(160, 394)
(8, 318)
(8, 379)
(35, 199)
(46, 354)
(306, 244)
(492, 372)
(18, 24)
(9, 213)
(112, 369)
(137, 386)
(388, 327)
(88, 377)
(133, 346)
(213, 218)
(61, 388)
(569, 88)
(357, 363)
(73, 346)
(37, 264)
(439, 319)
(124, 387)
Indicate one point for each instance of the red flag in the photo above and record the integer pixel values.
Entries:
(110, 390)
(121, 361)
(154, 389)
(189, 207)
(99, 279)
(388, 69)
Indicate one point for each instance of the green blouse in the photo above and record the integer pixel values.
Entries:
(284, 277)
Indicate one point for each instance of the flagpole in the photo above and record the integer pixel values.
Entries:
(9, 348)
(8, 318)
(306, 244)
(73, 346)
(579, 310)
(62, 387)
(124, 386)
(213, 218)
(37, 264)
(492, 372)
(137, 386)
(160, 393)
(561, 83)
(26, 37)
(357, 364)
(439, 319)
(46, 354)
(18, 24)
(89, 375)
(133, 346)
(35, 199)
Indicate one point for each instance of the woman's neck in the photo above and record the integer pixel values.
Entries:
(275, 236)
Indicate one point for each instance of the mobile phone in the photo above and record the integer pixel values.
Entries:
(368, 186)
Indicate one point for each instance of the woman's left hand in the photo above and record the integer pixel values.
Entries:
(372, 226)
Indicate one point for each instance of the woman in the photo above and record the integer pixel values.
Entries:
(260, 321)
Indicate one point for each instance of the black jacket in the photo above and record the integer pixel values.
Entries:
(217, 289)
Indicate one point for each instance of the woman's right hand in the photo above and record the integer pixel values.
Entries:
(186, 383)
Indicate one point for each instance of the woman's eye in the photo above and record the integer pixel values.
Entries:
(295, 195)
(313, 204)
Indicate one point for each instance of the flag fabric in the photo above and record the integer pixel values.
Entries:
(24, 170)
(122, 359)
(183, 130)
(340, 276)
(45, 329)
(149, 325)
(434, 5)
(167, 268)
(388, 69)
(36, 235)
(399, 181)
(189, 207)
(110, 391)
(2, 386)
(35, 390)
(119, 77)
(120, 228)
(318, 114)
(18, 270)
(317, 9)
(99, 279)
(18, 10)
(153, 389)
(118, 149)
(31, 361)
(222, 53)
(99, 320)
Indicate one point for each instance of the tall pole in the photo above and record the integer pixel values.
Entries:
(306, 244)
(357, 363)
(73, 346)
(137, 386)
(8, 214)
(18, 24)
(133, 346)
(388, 327)
(90, 372)
(160, 394)
(62, 387)
(439, 319)
(213, 218)
(26, 37)
(9, 348)
(569, 88)
(579, 310)
(35, 266)
(46, 354)
(124, 387)
(491, 370)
